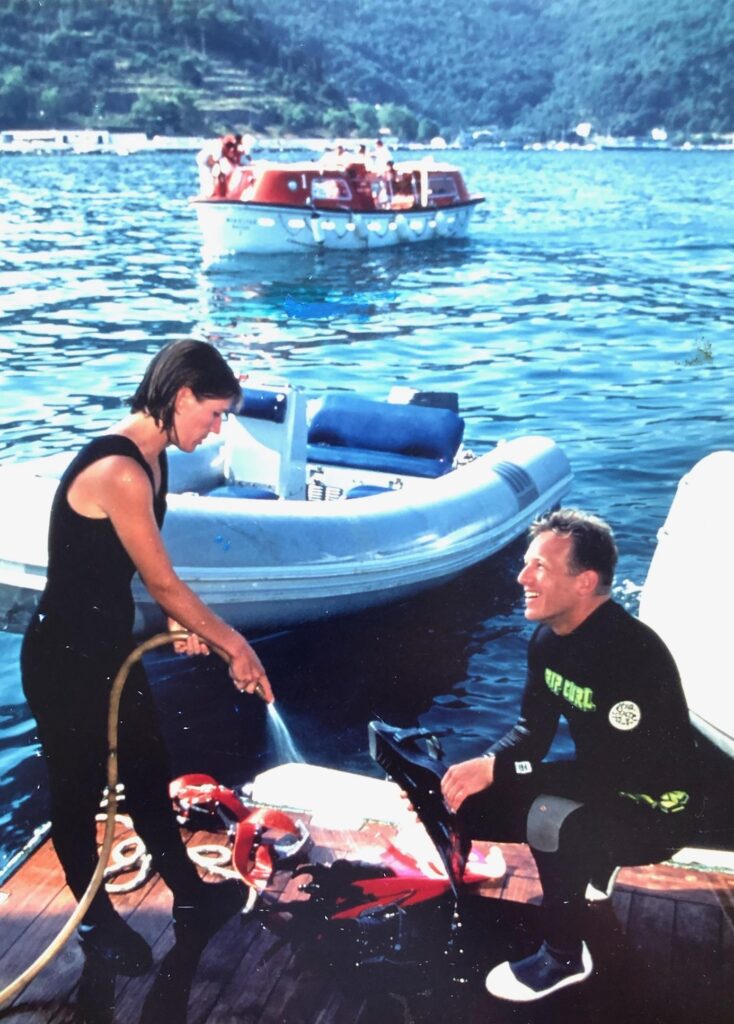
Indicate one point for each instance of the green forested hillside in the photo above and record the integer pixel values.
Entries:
(545, 65)
(530, 67)
(177, 66)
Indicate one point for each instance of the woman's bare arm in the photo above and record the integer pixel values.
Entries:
(123, 493)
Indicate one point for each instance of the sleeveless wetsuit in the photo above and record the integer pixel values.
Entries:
(72, 650)
(89, 572)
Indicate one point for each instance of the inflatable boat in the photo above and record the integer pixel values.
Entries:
(687, 598)
(309, 507)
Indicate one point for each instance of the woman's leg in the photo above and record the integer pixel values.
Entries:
(146, 774)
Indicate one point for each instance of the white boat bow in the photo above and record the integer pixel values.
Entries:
(687, 598)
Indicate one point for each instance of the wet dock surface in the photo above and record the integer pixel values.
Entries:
(663, 948)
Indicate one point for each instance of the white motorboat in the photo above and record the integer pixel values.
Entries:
(370, 501)
(286, 207)
(687, 594)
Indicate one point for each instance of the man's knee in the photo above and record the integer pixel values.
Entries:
(546, 818)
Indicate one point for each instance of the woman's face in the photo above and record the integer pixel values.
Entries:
(195, 418)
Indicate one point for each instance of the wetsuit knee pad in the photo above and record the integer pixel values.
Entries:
(545, 818)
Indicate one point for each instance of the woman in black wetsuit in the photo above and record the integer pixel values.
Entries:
(105, 525)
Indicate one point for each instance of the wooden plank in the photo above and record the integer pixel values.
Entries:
(727, 958)
(247, 987)
(342, 1008)
(697, 959)
(649, 954)
(299, 993)
(57, 980)
(622, 904)
(650, 930)
(654, 945)
(30, 891)
(520, 889)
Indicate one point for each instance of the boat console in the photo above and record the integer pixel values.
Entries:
(282, 445)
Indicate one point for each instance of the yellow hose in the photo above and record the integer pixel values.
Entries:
(11, 990)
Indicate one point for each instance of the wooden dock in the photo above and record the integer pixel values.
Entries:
(663, 950)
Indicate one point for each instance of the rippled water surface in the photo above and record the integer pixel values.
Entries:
(592, 302)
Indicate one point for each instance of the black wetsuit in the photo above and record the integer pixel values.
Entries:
(71, 653)
(633, 784)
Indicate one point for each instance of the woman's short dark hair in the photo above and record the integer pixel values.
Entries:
(592, 542)
(183, 364)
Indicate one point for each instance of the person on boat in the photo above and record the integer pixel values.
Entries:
(629, 796)
(206, 160)
(243, 146)
(216, 161)
(105, 524)
(234, 172)
(226, 170)
(391, 180)
(380, 157)
(335, 159)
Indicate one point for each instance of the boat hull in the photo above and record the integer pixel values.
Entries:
(232, 227)
(687, 594)
(262, 564)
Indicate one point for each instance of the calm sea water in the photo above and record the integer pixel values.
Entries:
(592, 302)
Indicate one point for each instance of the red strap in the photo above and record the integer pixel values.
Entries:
(250, 856)
(202, 791)
(190, 780)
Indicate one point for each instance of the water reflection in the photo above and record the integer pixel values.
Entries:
(331, 678)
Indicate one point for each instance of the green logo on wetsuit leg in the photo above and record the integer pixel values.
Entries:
(669, 803)
(582, 697)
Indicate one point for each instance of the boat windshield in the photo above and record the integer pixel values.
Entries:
(330, 189)
(442, 186)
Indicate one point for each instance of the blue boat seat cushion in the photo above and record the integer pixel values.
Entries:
(348, 430)
(263, 404)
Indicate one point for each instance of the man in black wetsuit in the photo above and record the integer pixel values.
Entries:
(628, 796)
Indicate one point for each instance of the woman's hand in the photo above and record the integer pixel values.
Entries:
(248, 674)
(465, 779)
(191, 645)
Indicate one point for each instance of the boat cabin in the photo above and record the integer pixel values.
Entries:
(411, 185)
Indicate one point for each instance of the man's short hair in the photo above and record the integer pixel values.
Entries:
(592, 542)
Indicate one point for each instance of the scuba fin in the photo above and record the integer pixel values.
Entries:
(419, 774)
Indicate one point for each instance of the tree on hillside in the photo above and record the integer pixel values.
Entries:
(16, 100)
(365, 118)
(173, 115)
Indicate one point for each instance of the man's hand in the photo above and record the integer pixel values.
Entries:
(192, 645)
(465, 779)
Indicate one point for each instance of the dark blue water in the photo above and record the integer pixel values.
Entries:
(592, 302)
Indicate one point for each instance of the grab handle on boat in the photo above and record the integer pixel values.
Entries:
(11, 990)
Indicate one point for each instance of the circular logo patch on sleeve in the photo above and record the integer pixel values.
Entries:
(625, 715)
